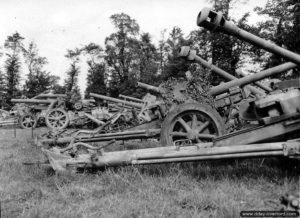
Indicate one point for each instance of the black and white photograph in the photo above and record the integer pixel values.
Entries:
(141, 109)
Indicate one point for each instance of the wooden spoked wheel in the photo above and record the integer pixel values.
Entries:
(28, 121)
(57, 119)
(191, 123)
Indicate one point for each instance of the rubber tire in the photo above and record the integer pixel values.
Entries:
(206, 109)
(48, 124)
(22, 117)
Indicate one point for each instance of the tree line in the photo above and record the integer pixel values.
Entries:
(129, 54)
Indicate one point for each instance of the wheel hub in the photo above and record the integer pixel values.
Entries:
(192, 134)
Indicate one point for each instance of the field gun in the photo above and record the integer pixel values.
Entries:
(233, 88)
(33, 110)
(270, 111)
(84, 112)
(142, 121)
(57, 111)
(146, 111)
(27, 112)
(196, 131)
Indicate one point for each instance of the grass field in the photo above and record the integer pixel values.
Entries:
(204, 189)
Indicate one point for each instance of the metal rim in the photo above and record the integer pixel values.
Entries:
(57, 119)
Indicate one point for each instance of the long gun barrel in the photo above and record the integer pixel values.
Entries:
(262, 86)
(222, 88)
(31, 101)
(131, 98)
(252, 78)
(215, 21)
(50, 96)
(150, 88)
(189, 54)
(127, 103)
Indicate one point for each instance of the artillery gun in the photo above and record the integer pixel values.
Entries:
(195, 131)
(55, 111)
(145, 111)
(81, 113)
(271, 111)
(132, 120)
(29, 112)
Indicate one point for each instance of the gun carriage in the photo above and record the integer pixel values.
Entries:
(29, 112)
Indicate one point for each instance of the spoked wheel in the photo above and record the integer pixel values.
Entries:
(57, 119)
(28, 121)
(191, 123)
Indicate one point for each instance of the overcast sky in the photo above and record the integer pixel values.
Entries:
(58, 25)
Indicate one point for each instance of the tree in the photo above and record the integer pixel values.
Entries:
(38, 80)
(148, 58)
(222, 45)
(175, 66)
(56, 87)
(96, 78)
(281, 28)
(163, 52)
(225, 51)
(148, 64)
(41, 82)
(71, 82)
(2, 90)
(122, 57)
(297, 25)
(14, 46)
(200, 40)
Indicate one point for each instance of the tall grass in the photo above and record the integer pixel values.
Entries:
(202, 189)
